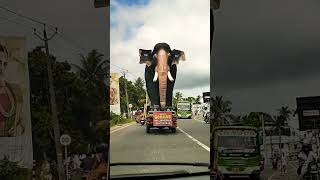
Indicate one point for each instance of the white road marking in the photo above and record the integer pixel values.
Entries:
(275, 173)
(121, 128)
(194, 140)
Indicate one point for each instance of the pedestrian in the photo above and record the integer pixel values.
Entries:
(76, 161)
(87, 163)
(283, 163)
(100, 167)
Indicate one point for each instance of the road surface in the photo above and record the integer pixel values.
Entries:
(132, 144)
(269, 174)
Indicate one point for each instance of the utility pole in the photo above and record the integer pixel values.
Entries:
(264, 137)
(55, 120)
(124, 72)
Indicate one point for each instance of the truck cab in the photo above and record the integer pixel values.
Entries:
(161, 118)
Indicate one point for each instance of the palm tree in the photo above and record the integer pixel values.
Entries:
(281, 120)
(178, 96)
(93, 66)
(197, 100)
(220, 111)
(93, 70)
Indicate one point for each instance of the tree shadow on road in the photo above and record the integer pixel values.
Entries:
(165, 132)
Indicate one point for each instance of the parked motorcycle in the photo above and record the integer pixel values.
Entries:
(312, 172)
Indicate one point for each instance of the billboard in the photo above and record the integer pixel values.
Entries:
(114, 93)
(15, 120)
(206, 97)
(308, 110)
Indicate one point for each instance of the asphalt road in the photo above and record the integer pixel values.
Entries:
(132, 144)
(269, 174)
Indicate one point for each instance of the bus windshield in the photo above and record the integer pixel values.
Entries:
(184, 107)
(233, 144)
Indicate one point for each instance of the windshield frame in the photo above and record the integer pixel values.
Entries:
(248, 133)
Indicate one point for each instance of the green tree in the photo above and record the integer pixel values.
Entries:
(253, 119)
(281, 120)
(136, 93)
(220, 111)
(198, 100)
(77, 103)
(177, 97)
(191, 99)
(12, 170)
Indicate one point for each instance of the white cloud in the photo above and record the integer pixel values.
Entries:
(184, 25)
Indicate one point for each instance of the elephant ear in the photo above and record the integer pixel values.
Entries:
(177, 55)
(145, 56)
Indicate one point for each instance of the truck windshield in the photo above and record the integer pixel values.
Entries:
(184, 107)
(234, 144)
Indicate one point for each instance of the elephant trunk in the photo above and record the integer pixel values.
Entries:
(162, 73)
(163, 87)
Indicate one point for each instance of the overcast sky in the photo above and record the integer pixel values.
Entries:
(266, 53)
(84, 27)
(184, 25)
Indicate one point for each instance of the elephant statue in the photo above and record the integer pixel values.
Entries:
(160, 72)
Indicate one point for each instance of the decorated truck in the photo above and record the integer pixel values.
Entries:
(237, 152)
(160, 75)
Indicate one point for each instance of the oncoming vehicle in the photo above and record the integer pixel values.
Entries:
(184, 109)
(237, 151)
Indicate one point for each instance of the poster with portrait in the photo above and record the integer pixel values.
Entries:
(114, 94)
(15, 120)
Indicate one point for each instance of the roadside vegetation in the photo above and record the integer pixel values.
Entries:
(118, 119)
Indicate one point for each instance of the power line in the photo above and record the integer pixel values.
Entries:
(123, 69)
(24, 16)
(71, 42)
(16, 22)
(60, 33)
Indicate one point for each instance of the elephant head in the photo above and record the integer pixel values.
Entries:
(162, 61)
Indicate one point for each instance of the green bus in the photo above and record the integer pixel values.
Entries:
(237, 151)
(184, 109)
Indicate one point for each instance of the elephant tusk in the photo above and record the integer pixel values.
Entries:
(155, 77)
(170, 76)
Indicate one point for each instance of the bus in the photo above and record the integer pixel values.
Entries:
(237, 151)
(184, 109)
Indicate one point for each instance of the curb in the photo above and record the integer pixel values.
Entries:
(114, 128)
